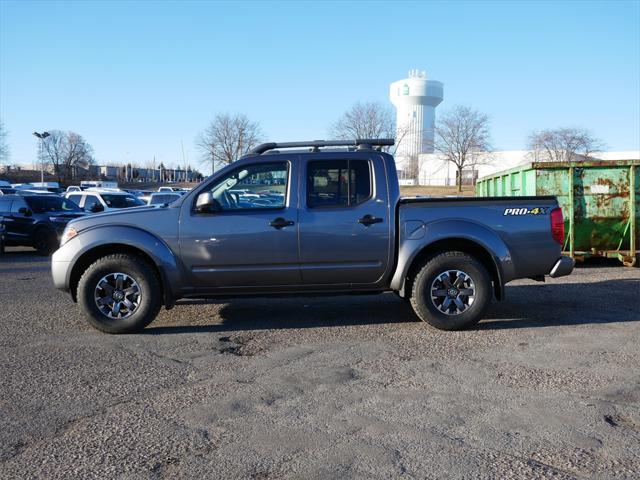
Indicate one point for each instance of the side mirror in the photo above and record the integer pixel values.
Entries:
(25, 211)
(207, 204)
(96, 207)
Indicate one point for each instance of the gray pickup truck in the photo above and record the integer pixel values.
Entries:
(306, 217)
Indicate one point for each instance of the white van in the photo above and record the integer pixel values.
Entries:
(103, 200)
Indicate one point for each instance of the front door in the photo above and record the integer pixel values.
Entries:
(252, 240)
(21, 220)
(344, 222)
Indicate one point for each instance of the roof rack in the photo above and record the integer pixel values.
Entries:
(360, 144)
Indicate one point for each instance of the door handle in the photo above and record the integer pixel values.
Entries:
(280, 222)
(369, 220)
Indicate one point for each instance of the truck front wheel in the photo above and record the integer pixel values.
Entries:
(451, 291)
(120, 293)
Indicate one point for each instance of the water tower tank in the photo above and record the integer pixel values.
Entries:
(415, 99)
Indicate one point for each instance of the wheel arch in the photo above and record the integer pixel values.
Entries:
(460, 244)
(87, 258)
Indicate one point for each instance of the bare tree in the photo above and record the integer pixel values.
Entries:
(462, 137)
(66, 152)
(227, 138)
(563, 145)
(4, 146)
(365, 120)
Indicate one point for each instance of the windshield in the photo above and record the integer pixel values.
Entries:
(51, 204)
(121, 201)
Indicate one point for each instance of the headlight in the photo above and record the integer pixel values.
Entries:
(67, 235)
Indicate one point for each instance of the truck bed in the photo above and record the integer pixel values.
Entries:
(523, 225)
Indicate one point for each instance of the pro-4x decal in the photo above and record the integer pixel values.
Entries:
(526, 211)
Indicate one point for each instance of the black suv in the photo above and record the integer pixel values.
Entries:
(36, 220)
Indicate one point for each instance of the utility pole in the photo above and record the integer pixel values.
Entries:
(41, 136)
(184, 162)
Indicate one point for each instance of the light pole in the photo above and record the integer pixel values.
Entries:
(41, 136)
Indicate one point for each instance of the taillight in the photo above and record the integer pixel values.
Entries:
(557, 225)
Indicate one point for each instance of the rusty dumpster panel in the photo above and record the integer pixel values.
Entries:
(600, 201)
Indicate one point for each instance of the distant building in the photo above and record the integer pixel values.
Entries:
(434, 170)
(129, 173)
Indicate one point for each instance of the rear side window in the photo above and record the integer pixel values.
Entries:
(338, 183)
(121, 201)
(75, 199)
(91, 201)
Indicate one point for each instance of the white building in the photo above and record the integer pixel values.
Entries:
(415, 99)
(434, 170)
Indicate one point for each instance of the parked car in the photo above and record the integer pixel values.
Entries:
(36, 220)
(160, 198)
(336, 224)
(7, 190)
(173, 189)
(103, 200)
(74, 188)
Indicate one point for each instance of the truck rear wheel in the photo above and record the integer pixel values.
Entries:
(120, 293)
(451, 291)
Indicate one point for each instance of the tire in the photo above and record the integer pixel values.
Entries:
(45, 241)
(472, 277)
(132, 272)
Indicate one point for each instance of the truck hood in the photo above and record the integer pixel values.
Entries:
(125, 216)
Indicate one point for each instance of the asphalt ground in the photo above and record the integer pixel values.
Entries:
(548, 386)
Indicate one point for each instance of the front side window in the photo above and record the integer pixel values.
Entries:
(338, 183)
(257, 186)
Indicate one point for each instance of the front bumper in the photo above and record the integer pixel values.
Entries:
(564, 266)
(61, 264)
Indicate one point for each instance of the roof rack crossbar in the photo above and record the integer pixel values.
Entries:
(360, 143)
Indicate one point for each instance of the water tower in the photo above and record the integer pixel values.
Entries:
(415, 99)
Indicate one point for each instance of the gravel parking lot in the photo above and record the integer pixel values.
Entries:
(331, 387)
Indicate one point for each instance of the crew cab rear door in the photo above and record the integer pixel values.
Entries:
(344, 219)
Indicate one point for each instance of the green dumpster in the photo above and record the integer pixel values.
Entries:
(600, 201)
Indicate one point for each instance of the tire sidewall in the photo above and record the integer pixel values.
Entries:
(137, 270)
(44, 241)
(421, 298)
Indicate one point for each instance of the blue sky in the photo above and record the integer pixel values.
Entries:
(138, 78)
